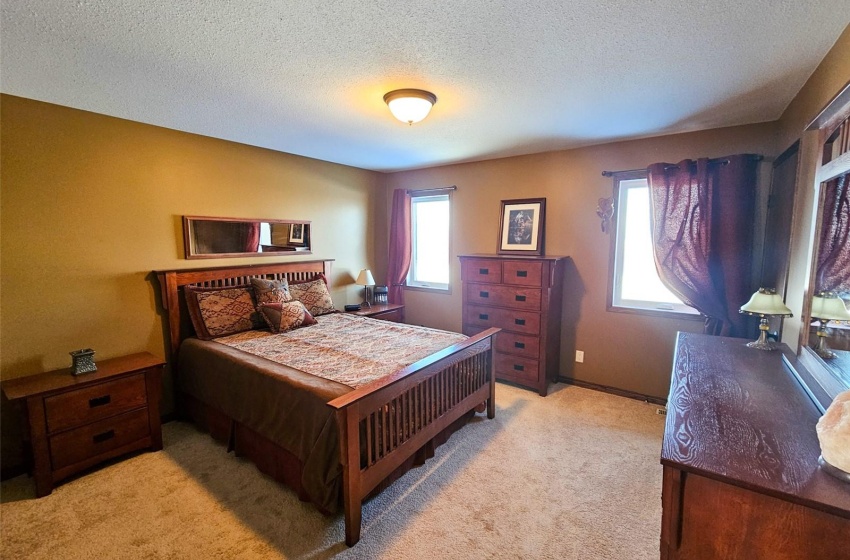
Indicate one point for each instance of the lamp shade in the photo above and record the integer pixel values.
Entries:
(410, 105)
(365, 278)
(830, 307)
(766, 302)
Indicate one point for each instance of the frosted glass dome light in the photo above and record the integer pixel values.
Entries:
(410, 105)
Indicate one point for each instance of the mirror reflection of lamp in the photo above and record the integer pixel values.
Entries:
(765, 303)
(366, 279)
(826, 307)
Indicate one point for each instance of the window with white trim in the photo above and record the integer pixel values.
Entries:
(429, 264)
(635, 284)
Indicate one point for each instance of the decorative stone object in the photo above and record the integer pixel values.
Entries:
(83, 361)
(834, 436)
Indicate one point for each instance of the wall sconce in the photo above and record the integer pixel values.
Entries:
(410, 105)
(765, 303)
(365, 279)
(826, 307)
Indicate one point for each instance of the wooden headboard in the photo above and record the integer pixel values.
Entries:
(172, 282)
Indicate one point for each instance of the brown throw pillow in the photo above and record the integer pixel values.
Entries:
(314, 295)
(219, 312)
(282, 317)
(271, 291)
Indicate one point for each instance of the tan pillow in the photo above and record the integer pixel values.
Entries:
(282, 317)
(314, 295)
(219, 312)
(271, 291)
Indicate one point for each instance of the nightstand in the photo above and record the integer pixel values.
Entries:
(384, 311)
(76, 422)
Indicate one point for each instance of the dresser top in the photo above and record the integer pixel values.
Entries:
(738, 415)
(514, 257)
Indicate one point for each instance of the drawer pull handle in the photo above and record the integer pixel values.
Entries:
(105, 436)
(484, 271)
(522, 273)
(519, 367)
(484, 294)
(520, 298)
(99, 401)
(519, 344)
(483, 316)
(519, 321)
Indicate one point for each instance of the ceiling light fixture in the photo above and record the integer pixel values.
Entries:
(410, 105)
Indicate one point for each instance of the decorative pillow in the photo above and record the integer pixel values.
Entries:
(314, 295)
(219, 312)
(282, 317)
(271, 291)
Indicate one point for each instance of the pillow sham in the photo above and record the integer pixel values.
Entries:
(271, 291)
(219, 312)
(314, 295)
(282, 317)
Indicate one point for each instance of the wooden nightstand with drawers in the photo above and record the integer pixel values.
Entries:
(76, 422)
(383, 311)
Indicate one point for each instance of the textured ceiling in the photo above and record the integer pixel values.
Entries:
(512, 77)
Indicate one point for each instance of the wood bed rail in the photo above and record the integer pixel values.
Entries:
(384, 423)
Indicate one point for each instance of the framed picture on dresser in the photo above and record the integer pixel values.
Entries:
(522, 229)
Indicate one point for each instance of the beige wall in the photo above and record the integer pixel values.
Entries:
(632, 352)
(828, 79)
(92, 204)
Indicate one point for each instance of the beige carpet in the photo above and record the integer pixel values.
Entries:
(572, 475)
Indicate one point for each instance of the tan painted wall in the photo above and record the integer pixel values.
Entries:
(826, 81)
(632, 352)
(92, 204)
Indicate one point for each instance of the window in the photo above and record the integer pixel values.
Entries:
(635, 283)
(429, 265)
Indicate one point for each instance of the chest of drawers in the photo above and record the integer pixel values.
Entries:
(77, 422)
(522, 296)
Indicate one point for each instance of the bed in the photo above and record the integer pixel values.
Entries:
(333, 444)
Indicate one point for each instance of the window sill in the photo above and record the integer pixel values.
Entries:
(657, 313)
(444, 291)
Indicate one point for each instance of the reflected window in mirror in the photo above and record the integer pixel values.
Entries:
(206, 237)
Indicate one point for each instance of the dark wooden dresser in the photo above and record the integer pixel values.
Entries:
(740, 451)
(76, 422)
(522, 296)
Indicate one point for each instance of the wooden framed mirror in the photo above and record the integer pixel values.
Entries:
(206, 237)
(824, 349)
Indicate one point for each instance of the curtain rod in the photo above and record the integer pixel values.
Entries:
(438, 189)
(721, 161)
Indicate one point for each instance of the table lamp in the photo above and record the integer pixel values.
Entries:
(365, 279)
(765, 303)
(826, 307)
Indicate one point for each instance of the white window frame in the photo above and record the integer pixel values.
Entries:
(411, 283)
(624, 181)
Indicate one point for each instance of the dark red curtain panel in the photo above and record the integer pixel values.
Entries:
(833, 272)
(401, 246)
(252, 237)
(702, 231)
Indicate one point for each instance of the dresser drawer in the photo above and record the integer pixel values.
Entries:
(524, 273)
(524, 322)
(519, 344)
(482, 270)
(517, 367)
(98, 438)
(75, 408)
(504, 296)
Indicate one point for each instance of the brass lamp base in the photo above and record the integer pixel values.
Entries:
(822, 349)
(763, 343)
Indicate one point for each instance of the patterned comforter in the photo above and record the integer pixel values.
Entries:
(348, 349)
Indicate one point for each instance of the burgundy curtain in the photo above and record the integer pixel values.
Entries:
(702, 220)
(252, 237)
(833, 272)
(401, 247)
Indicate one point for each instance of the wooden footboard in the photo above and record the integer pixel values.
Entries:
(384, 423)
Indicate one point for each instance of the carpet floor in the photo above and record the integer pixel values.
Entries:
(572, 475)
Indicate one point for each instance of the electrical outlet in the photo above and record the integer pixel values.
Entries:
(580, 356)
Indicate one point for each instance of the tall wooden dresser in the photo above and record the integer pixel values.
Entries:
(740, 457)
(522, 296)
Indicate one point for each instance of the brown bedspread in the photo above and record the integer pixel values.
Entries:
(281, 403)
